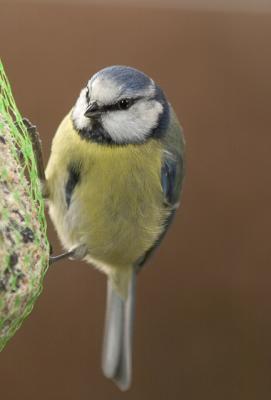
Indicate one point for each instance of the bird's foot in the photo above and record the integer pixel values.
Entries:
(77, 253)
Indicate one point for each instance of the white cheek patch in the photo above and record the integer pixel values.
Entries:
(135, 124)
(79, 110)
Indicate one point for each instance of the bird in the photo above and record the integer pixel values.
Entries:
(113, 185)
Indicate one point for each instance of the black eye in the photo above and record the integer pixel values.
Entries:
(87, 94)
(124, 104)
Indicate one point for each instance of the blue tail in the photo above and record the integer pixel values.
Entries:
(117, 345)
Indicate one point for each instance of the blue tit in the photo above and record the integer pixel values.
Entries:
(113, 180)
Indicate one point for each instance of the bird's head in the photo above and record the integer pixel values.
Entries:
(120, 105)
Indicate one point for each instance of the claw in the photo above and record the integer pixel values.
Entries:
(53, 259)
(77, 253)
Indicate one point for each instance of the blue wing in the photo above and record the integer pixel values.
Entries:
(171, 176)
(168, 180)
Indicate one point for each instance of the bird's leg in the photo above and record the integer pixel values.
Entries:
(36, 144)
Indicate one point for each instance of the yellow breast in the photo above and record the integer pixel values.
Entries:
(117, 207)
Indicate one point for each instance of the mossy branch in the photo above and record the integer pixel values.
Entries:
(24, 247)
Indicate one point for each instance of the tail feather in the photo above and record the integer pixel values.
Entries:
(117, 346)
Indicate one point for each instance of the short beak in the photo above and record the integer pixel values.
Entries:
(93, 110)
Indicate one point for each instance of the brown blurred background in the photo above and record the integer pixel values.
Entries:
(203, 323)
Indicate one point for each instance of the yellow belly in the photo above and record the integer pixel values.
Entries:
(117, 207)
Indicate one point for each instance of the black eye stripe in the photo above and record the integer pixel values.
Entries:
(110, 107)
(117, 106)
(122, 105)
